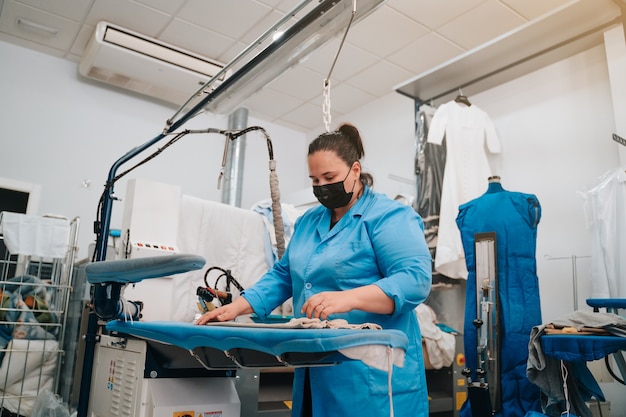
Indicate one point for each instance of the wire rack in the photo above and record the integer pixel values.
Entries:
(34, 298)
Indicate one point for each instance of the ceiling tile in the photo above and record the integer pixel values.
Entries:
(351, 60)
(309, 116)
(196, 39)
(425, 53)
(232, 52)
(269, 3)
(299, 82)
(273, 103)
(433, 13)
(263, 26)
(281, 5)
(481, 24)
(71, 9)
(345, 98)
(128, 14)
(80, 42)
(38, 26)
(292, 126)
(384, 32)
(534, 9)
(380, 78)
(166, 6)
(231, 18)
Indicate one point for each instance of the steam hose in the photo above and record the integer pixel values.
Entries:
(279, 227)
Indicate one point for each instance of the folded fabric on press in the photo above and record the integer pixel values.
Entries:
(299, 323)
(546, 372)
(24, 234)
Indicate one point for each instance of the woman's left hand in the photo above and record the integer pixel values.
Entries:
(324, 304)
(369, 298)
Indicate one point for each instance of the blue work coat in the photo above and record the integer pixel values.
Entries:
(378, 241)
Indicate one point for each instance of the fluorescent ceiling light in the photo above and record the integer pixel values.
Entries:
(322, 23)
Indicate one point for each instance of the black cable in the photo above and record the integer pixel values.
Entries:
(150, 157)
(270, 149)
(599, 407)
(232, 135)
(109, 184)
(229, 280)
(608, 367)
(206, 274)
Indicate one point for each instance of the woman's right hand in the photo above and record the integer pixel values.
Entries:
(226, 312)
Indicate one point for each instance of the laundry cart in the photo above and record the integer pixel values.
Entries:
(36, 260)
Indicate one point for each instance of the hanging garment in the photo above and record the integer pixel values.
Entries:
(430, 161)
(605, 205)
(469, 134)
(514, 218)
(429, 166)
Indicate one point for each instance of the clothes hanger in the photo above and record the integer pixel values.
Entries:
(461, 98)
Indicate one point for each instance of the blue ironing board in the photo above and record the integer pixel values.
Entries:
(225, 346)
(577, 348)
(586, 348)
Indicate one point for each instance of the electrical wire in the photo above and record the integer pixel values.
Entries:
(109, 184)
(611, 372)
(564, 375)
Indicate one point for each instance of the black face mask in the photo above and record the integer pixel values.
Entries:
(333, 195)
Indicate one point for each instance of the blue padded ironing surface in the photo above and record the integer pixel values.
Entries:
(273, 341)
(126, 271)
(611, 303)
(270, 341)
(581, 348)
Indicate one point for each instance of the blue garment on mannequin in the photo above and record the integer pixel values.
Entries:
(514, 217)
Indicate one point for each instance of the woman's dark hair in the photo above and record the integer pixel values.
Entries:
(346, 142)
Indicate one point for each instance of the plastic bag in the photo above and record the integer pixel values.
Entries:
(49, 405)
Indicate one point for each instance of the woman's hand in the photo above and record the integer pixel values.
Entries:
(324, 304)
(369, 298)
(227, 312)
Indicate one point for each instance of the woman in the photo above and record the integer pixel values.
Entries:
(362, 257)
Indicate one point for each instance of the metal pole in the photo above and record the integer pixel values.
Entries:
(233, 179)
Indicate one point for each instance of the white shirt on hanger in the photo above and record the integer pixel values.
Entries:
(605, 205)
(469, 134)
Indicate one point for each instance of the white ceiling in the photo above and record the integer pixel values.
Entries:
(400, 40)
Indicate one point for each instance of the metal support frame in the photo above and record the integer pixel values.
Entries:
(485, 392)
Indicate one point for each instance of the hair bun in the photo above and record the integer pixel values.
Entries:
(349, 130)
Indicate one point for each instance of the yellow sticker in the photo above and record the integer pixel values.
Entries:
(460, 399)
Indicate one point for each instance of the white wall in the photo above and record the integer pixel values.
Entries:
(59, 130)
(555, 126)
